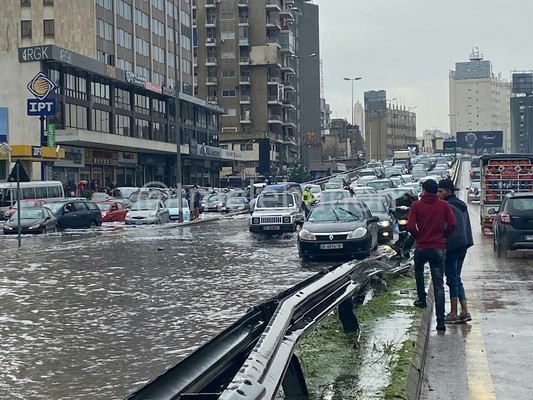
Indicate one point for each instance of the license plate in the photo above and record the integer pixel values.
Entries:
(271, 228)
(138, 222)
(529, 237)
(330, 246)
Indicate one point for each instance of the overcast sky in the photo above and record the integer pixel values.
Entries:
(408, 47)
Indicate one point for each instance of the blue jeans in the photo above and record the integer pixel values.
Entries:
(453, 264)
(435, 257)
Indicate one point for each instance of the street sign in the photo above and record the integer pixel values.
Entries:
(51, 135)
(41, 107)
(22, 175)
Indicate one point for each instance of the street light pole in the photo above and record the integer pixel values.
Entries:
(177, 117)
(351, 108)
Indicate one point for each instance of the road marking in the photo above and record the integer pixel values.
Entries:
(479, 380)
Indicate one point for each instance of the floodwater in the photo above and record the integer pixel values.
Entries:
(96, 314)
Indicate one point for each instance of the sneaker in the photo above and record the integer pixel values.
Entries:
(441, 327)
(420, 303)
(453, 319)
(465, 317)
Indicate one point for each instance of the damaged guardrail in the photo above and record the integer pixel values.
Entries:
(255, 355)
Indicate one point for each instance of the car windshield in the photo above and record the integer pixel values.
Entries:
(335, 195)
(104, 206)
(144, 205)
(28, 213)
(521, 204)
(55, 207)
(379, 184)
(375, 205)
(272, 200)
(336, 212)
(333, 185)
(315, 189)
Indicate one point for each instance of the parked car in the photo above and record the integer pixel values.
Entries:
(25, 203)
(215, 202)
(32, 220)
(76, 214)
(513, 223)
(474, 191)
(112, 211)
(173, 208)
(151, 211)
(338, 229)
(234, 204)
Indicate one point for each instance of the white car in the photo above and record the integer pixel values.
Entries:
(173, 208)
(144, 212)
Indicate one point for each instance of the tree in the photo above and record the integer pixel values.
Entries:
(298, 174)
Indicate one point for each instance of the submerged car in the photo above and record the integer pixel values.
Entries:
(32, 220)
(338, 229)
(235, 204)
(112, 211)
(26, 203)
(147, 212)
(76, 214)
(174, 210)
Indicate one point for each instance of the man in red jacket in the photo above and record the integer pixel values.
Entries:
(430, 221)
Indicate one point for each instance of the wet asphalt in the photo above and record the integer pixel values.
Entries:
(491, 356)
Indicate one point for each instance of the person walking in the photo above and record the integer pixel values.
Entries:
(430, 221)
(457, 245)
(196, 197)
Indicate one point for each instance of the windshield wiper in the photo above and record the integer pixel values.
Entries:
(335, 213)
(349, 212)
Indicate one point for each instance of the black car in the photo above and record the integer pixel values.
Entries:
(32, 220)
(513, 223)
(72, 214)
(338, 229)
(379, 208)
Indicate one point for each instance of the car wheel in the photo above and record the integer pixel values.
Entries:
(93, 223)
(502, 248)
(44, 230)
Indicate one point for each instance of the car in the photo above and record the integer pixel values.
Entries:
(380, 184)
(152, 211)
(344, 229)
(359, 190)
(112, 211)
(333, 185)
(234, 204)
(316, 191)
(379, 209)
(367, 172)
(363, 181)
(32, 220)
(215, 202)
(25, 203)
(474, 192)
(173, 208)
(75, 214)
(335, 195)
(513, 223)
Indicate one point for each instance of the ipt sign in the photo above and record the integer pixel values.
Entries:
(41, 86)
(41, 107)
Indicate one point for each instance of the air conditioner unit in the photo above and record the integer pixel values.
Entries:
(229, 129)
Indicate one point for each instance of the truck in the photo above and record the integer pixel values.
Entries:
(501, 174)
(402, 157)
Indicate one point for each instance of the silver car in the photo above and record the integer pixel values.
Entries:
(145, 212)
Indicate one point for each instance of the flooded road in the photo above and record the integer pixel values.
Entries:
(94, 315)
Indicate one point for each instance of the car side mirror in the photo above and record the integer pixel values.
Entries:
(372, 220)
(491, 211)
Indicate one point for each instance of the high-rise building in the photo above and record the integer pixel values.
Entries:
(388, 127)
(259, 60)
(117, 65)
(479, 101)
(522, 112)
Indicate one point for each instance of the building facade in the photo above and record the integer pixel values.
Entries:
(259, 60)
(479, 101)
(124, 77)
(388, 127)
(522, 112)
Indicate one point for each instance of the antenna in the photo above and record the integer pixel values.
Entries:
(321, 78)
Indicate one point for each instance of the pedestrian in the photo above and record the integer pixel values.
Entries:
(430, 221)
(307, 199)
(197, 200)
(457, 245)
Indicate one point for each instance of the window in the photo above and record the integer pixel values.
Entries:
(122, 125)
(185, 42)
(158, 54)
(142, 46)
(185, 19)
(228, 93)
(104, 30)
(227, 35)
(122, 99)
(48, 28)
(142, 104)
(75, 116)
(142, 71)
(159, 108)
(104, 4)
(158, 79)
(158, 27)
(232, 112)
(186, 66)
(142, 128)
(75, 86)
(227, 54)
(100, 93)
(124, 10)
(159, 4)
(227, 15)
(228, 74)
(141, 19)
(100, 121)
(25, 29)
(25, 2)
(124, 39)
(124, 65)
(48, 2)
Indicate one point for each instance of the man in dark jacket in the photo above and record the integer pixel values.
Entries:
(430, 221)
(456, 246)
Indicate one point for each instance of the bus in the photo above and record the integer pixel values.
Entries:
(45, 190)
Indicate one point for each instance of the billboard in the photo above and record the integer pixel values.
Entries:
(4, 125)
(480, 139)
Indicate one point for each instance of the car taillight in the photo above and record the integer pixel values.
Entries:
(505, 218)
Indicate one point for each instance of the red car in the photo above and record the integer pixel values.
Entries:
(26, 203)
(112, 211)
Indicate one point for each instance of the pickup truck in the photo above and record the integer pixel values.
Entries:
(277, 212)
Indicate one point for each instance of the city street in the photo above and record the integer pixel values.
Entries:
(94, 314)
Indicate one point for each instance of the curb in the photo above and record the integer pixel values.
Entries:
(203, 220)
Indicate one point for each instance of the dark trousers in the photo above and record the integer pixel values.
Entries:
(435, 258)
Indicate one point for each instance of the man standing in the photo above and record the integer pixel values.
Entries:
(307, 199)
(430, 221)
(456, 246)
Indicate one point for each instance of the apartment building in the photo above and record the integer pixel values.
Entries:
(124, 76)
(522, 112)
(259, 60)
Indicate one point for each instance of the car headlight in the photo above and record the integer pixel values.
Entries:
(383, 223)
(402, 221)
(154, 214)
(306, 235)
(255, 220)
(286, 220)
(36, 226)
(8, 228)
(357, 233)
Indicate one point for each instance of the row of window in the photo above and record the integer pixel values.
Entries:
(26, 28)
(27, 3)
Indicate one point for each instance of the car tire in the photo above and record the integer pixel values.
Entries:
(93, 223)
(44, 230)
(502, 248)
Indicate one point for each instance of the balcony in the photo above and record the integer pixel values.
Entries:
(210, 60)
(244, 21)
(211, 41)
(275, 119)
(273, 23)
(244, 60)
(210, 3)
(274, 100)
(244, 80)
(245, 98)
(289, 86)
(273, 80)
(273, 40)
(210, 22)
(243, 42)
(211, 80)
(245, 120)
(243, 3)
(273, 5)
(289, 105)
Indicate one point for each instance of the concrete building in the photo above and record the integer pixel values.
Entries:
(343, 143)
(479, 101)
(432, 141)
(260, 60)
(117, 65)
(388, 127)
(522, 112)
